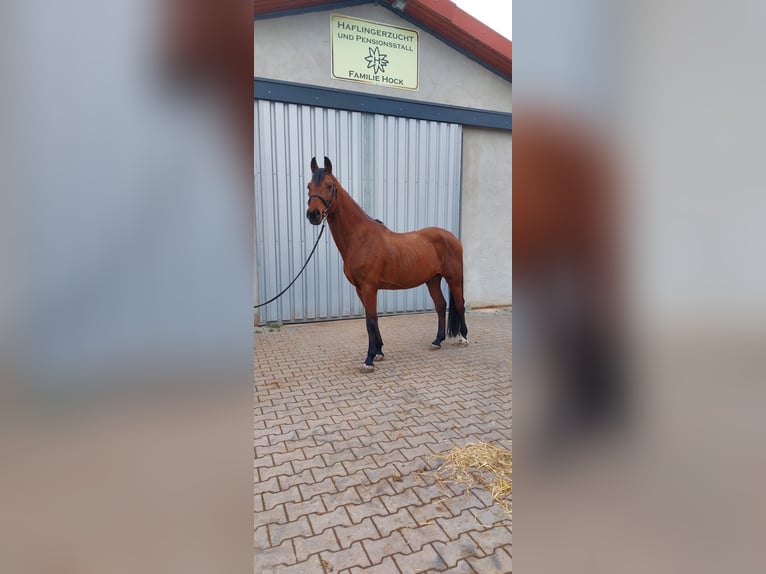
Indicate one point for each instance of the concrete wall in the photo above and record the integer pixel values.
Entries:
(297, 49)
(486, 216)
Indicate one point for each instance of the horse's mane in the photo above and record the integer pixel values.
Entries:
(317, 178)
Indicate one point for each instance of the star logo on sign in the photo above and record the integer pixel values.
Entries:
(376, 60)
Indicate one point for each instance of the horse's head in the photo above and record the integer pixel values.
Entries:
(322, 191)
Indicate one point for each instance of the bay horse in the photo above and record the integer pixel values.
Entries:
(374, 258)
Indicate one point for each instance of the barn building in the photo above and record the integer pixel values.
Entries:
(411, 100)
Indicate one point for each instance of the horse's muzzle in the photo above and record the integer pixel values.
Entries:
(314, 216)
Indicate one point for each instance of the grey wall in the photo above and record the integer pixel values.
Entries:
(297, 49)
(486, 219)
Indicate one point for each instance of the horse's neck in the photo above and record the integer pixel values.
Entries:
(348, 222)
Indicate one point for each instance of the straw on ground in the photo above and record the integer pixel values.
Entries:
(479, 465)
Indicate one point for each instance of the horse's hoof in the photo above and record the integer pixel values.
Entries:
(435, 347)
(461, 342)
(366, 368)
(380, 357)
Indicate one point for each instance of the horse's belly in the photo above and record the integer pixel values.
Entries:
(406, 281)
(412, 267)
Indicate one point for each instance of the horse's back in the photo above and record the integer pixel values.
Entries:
(438, 235)
(447, 248)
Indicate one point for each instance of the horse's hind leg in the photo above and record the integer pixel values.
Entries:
(456, 321)
(435, 290)
(379, 355)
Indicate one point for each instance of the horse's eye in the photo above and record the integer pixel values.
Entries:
(327, 186)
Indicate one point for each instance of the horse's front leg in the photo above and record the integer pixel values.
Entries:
(369, 299)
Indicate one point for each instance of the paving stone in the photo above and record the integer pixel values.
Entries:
(296, 509)
(397, 501)
(387, 566)
(337, 469)
(424, 534)
(388, 546)
(324, 542)
(261, 538)
(274, 516)
(347, 535)
(340, 456)
(348, 498)
(461, 502)
(429, 511)
(315, 461)
(272, 499)
(350, 480)
(274, 556)
(350, 444)
(366, 451)
(499, 562)
(370, 508)
(294, 479)
(353, 466)
(494, 515)
(429, 494)
(312, 451)
(282, 532)
(491, 538)
(316, 488)
(324, 520)
(376, 474)
(353, 556)
(391, 457)
(279, 457)
(370, 491)
(391, 445)
(424, 560)
(312, 564)
(462, 567)
(272, 471)
(388, 523)
(414, 453)
(453, 551)
(263, 461)
(454, 526)
(268, 485)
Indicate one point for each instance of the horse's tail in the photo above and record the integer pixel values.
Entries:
(455, 319)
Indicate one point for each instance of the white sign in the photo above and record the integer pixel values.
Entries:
(374, 53)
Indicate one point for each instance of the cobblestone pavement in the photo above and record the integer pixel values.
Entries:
(339, 455)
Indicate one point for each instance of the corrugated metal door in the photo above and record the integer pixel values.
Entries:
(402, 171)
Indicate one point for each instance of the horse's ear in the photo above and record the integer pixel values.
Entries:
(327, 165)
(314, 165)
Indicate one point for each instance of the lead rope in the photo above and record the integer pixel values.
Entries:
(324, 221)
